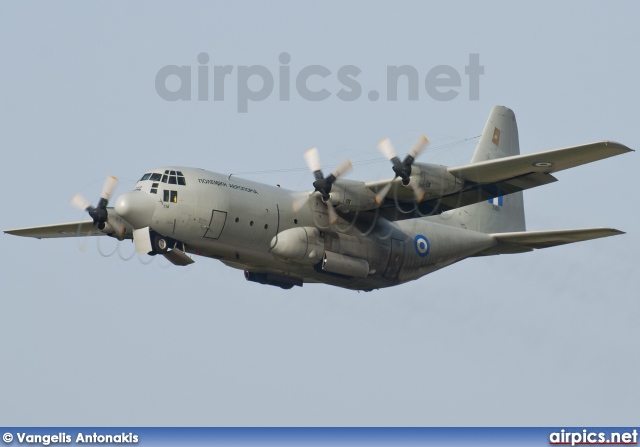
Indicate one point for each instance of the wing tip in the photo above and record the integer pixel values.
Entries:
(621, 147)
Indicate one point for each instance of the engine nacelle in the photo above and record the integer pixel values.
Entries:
(350, 195)
(106, 228)
(435, 180)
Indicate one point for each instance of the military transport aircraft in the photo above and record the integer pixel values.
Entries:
(346, 233)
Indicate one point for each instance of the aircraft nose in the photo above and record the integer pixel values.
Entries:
(136, 208)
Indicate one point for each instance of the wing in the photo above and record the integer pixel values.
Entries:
(70, 229)
(492, 178)
(541, 162)
(73, 229)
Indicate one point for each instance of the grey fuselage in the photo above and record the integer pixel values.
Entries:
(253, 226)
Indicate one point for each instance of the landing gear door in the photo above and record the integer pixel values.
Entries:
(214, 230)
(142, 240)
(396, 259)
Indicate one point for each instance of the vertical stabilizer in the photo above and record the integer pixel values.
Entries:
(500, 136)
(501, 214)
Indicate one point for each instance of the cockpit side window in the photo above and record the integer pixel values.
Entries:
(155, 177)
(170, 196)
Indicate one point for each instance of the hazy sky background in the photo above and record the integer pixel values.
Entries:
(544, 338)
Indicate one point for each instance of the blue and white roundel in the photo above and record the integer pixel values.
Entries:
(422, 245)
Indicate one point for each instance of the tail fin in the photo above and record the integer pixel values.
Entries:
(500, 136)
(501, 214)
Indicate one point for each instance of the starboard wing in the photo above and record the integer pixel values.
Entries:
(493, 178)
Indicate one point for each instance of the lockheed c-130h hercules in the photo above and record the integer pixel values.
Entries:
(346, 233)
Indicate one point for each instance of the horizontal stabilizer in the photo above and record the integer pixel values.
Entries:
(523, 241)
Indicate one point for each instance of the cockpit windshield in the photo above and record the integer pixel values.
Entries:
(170, 177)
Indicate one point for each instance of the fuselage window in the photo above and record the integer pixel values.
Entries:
(155, 177)
(145, 177)
(154, 189)
(165, 196)
(174, 196)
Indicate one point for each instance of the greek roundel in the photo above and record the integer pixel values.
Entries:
(421, 245)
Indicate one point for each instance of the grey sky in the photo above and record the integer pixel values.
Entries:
(546, 338)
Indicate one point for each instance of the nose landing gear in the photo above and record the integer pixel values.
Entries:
(161, 244)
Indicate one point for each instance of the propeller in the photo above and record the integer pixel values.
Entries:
(99, 214)
(402, 168)
(322, 184)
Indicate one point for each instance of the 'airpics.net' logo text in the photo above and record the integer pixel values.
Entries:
(254, 83)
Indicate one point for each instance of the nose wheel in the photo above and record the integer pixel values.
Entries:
(160, 244)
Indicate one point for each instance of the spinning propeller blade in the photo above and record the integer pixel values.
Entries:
(342, 168)
(321, 184)
(109, 186)
(402, 169)
(99, 213)
(300, 201)
(387, 149)
(333, 216)
(419, 146)
(312, 157)
(80, 202)
(383, 193)
(417, 191)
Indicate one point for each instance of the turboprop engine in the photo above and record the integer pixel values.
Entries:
(433, 180)
(350, 195)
